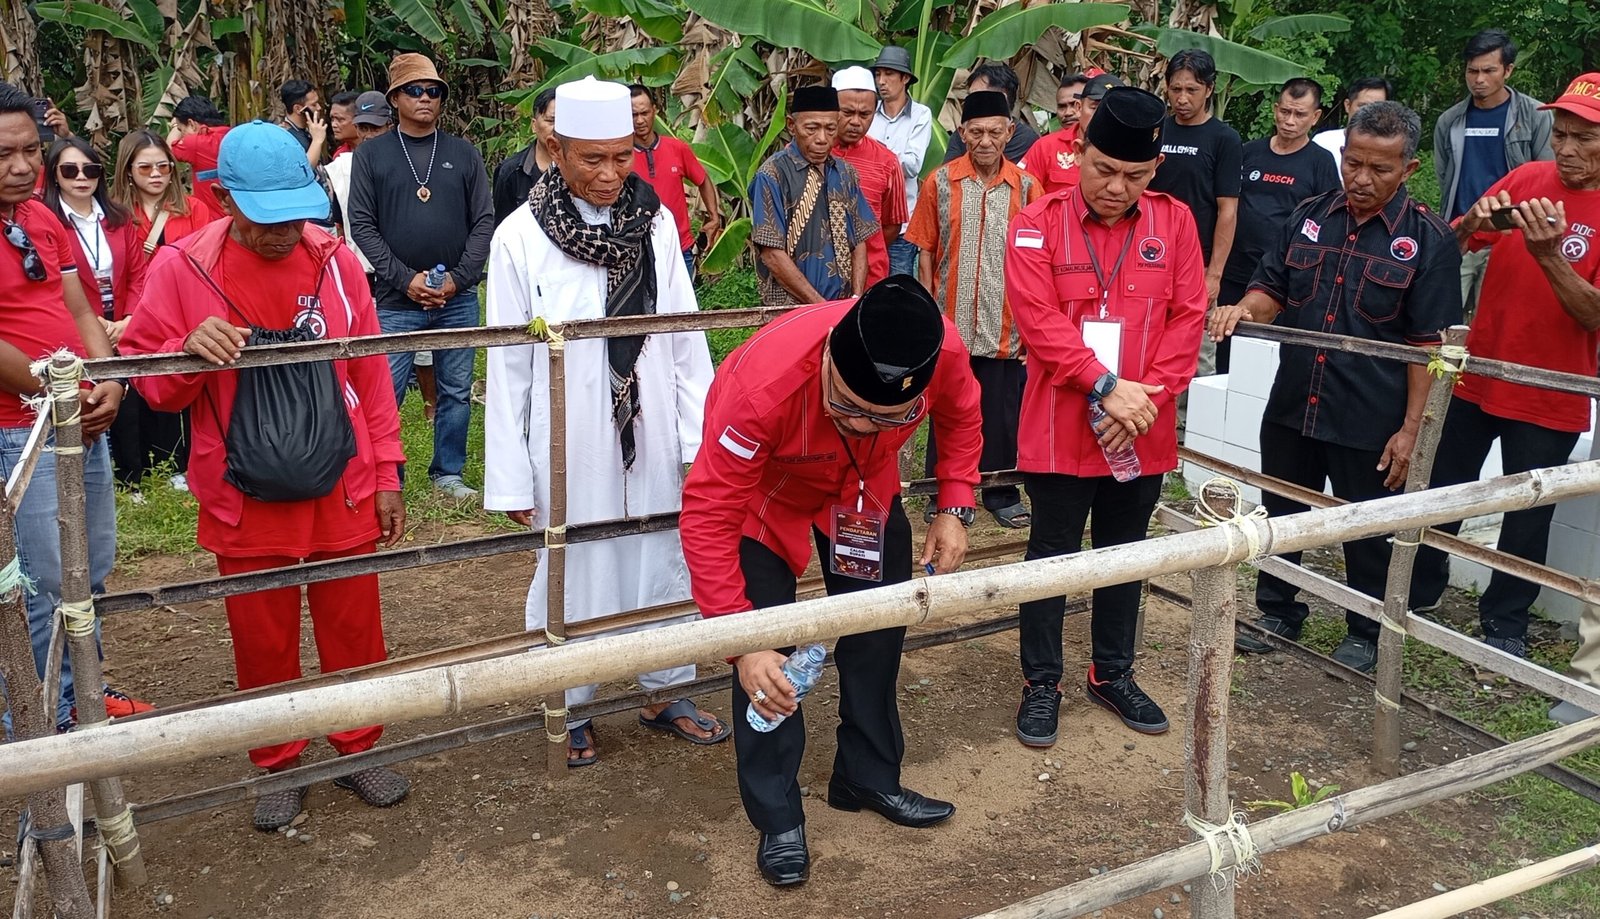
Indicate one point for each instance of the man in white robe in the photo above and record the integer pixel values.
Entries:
(594, 241)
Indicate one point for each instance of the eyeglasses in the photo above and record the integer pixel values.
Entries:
(851, 411)
(160, 169)
(417, 90)
(87, 170)
(32, 264)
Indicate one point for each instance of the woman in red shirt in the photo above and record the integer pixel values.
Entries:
(163, 212)
(196, 135)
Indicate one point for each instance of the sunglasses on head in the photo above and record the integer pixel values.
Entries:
(87, 170)
(418, 90)
(32, 264)
(156, 168)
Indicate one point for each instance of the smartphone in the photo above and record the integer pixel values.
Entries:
(40, 107)
(1500, 218)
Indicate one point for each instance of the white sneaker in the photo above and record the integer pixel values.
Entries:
(180, 482)
(136, 497)
(453, 487)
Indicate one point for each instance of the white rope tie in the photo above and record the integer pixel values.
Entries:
(1233, 523)
(1397, 541)
(12, 578)
(559, 716)
(541, 330)
(116, 832)
(1237, 833)
(78, 615)
(1453, 357)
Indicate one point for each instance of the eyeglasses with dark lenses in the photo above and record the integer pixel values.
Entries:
(87, 170)
(851, 411)
(32, 264)
(418, 90)
(162, 168)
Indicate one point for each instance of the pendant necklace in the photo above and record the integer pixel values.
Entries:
(423, 194)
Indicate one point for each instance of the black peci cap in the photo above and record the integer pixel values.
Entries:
(1127, 125)
(984, 104)
(886, 347)
(814, 99)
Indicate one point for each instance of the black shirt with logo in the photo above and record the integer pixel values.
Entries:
(1271, 187)
(1394, 278)
(1201, 165)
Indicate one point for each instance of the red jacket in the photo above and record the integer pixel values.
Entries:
(128, 268)
(201, 213)
(772, 464)
(178, 297)
(1159, 295)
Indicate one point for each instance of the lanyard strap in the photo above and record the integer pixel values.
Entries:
(1116, 269)
(861, 477)
(99, 234)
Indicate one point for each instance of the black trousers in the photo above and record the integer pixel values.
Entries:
(1289, 455)
(870, 746)
(142, 438)
(1468, 433)
(1001, 381)
(1117, 513)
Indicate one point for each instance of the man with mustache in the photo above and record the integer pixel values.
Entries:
(803, 427)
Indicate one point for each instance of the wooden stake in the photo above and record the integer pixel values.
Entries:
(1205, 737)
(112, 815)
(1397, 590)
(555, 540)
(27, 871)
(1499, 888)
(47, 806)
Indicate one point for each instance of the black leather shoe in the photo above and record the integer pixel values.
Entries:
(906, 808)
(783, 858)
(1250, 644)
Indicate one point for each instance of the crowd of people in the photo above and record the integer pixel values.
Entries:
(1042, 301)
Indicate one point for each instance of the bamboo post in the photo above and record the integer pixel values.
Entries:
(1390, 673)
(112, 814)
(1205, 736)
(27, 871)
(47, 805)
(555, 541)
(1499, 888)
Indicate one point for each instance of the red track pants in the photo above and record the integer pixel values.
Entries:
(345, 618)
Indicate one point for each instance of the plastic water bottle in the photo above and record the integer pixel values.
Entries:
(435, 278)
(1124, 462)
(802, 670)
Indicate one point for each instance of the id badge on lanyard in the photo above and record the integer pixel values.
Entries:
(107, 296)
(856, 535)
(1103, 333)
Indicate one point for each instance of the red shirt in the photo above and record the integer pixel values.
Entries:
(1519, 318)
(201, 212)
(34, 317)
(1053, 160)
(666, 166)
(200, 152)
(773, 464)
(1159, 296)
(883, 183)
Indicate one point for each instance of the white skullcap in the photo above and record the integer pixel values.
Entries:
(591, 109)
(852, 78)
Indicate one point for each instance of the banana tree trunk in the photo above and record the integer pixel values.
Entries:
(21, 40)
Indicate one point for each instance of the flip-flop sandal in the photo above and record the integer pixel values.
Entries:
(378, 786)
(277, 809)
(581, 738)
(1015, 517)
(667, 720)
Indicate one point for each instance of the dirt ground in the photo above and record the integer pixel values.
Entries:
(656, 829)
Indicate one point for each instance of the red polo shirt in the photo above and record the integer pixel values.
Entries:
(200, 152)
(883, 183)
(666, 166)
(1158, 296)
(773, 464)
(1519, 318)
(34, 317)
(1053, 160)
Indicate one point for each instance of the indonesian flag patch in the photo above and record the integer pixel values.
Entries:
(738, 444)
(1028, 238)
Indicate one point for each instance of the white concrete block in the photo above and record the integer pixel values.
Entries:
(1208, 407)
(1580, 514)
(1243, 425)
(1253, 364)
(1575, 552)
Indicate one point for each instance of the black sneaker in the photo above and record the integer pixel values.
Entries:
(1250, 644)
(1123, 696)
(1038, 714)
(1360, 654)
(1516, 647)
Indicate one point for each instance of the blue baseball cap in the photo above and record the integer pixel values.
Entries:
(265, 170)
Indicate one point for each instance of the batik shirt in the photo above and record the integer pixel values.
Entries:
(817, 214)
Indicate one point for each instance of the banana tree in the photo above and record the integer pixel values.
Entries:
(21, 41)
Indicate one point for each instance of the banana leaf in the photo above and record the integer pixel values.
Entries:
(724, 253)
(1290, 26)
(96, 17)
(421, 17)
(791, 24)
(1001, 33)
(1251, 65)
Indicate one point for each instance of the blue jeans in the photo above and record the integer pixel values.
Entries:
(39, 542)
(688, 261)
(452, 371)
(903, 257)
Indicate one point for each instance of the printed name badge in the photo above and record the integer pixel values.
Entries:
(857, 543)
(1104, 338)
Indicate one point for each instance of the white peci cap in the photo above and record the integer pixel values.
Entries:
(853, 78)
(590, 109)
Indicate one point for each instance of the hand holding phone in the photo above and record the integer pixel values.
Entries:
(1501, 218)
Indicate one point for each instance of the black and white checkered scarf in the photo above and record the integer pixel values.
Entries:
(623, 249)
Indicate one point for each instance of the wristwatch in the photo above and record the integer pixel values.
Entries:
(964, 514)
(1104, 385)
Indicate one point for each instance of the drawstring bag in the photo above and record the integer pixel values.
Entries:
(290, 437)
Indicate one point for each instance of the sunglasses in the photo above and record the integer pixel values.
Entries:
(159, 169)
(417, 90)
(32, 264)
(87, 170)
